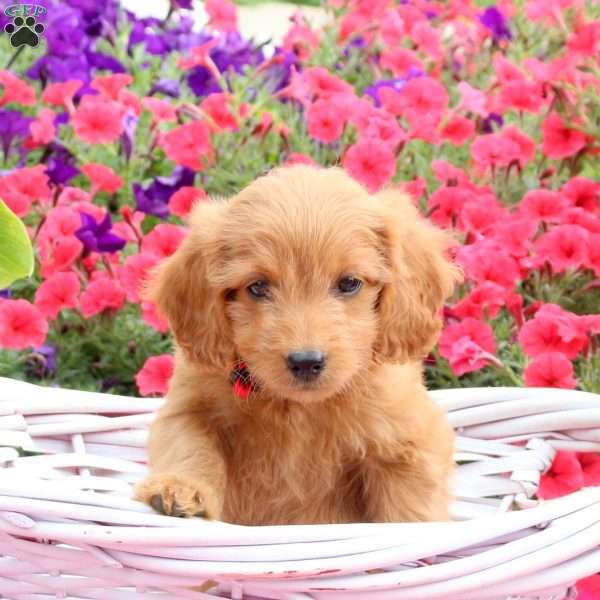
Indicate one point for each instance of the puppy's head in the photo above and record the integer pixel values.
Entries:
(308, 279)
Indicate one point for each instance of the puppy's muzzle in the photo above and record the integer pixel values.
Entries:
(306, 365)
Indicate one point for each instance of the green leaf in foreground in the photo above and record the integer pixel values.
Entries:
(16, 254)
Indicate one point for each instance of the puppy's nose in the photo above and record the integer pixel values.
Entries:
(306, 365)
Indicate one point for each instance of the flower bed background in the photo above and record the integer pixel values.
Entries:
(489, 117)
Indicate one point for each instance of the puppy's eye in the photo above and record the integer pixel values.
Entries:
(348, 286)
(259, 289)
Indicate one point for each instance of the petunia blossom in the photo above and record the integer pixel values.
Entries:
(468, 346)
(550, 369)
(22, 325)
(59, 291)
(154, 376)
(371, 162)
(100, 295)
(189, 145)
(564, 476)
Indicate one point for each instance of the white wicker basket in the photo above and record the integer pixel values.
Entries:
(69, 529)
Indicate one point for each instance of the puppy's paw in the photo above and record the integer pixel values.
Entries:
(178, 496)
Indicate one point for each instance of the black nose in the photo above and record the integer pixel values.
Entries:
(306, 365)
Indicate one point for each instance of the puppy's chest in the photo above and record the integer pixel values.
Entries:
(291, 474)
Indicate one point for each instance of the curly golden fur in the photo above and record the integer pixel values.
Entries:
(361, 443)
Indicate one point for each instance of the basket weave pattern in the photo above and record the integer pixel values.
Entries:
(69, 529)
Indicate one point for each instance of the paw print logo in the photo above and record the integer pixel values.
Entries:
(24, 32)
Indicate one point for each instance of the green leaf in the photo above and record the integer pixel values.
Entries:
(16, 253)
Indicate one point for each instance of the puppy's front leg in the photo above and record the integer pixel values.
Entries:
(409, 480)
(188, 475)
(405, 492)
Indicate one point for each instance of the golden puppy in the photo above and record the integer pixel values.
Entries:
(301, 309)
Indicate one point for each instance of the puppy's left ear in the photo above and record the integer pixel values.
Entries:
(420, 278)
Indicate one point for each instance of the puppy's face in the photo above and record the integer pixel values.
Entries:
(307, 279)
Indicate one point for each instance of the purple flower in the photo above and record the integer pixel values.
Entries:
(168, 87)
(232, 53)
(47, 354)
(487, 126)
(279, 73)
(395, 84)
(60, 166)
(128, 135)
(5, 293)
(187, 4)
(97, 237)
(154, 199)
(13, 126)
(495, 21)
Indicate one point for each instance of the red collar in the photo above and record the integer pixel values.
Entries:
(241, 380)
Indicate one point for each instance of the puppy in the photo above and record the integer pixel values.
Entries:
(301, 309)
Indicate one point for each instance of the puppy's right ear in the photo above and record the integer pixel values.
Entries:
(181, 288)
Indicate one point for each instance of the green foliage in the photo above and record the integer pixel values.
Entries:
(16, 253)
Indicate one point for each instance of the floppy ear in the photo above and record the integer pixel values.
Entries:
(420, 278)
(184, 294)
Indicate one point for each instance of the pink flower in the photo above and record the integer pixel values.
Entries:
(100, 295)
(446, 203)
(154, 376)
(300, 38)
(542, 205)
(217, 108)
(590, 463)
(21, 325)
(582, 192)
(373, 122)
(371, 162)
(458, 130)
(480, 213)
(468, 346)
(162, 111)
(189, 145)
(589, 588)
(472, 100)
(515, 234)
(524, 96)
(486, 260)
(564, 247)
(484, 300)
(60, 255)
(323, 84)
(183, 200)
(526, 146)
(200, 57)
(559, 140)
(550, 369)
(134, 273)
(494, 150)
(324, 122)
(564, 476)
(61, 94)
(15, 90)
(57, 292)
(20, 188)
(152, 317)
(163, 240)
(399, 60)
(103, 178)
(421, 97)
(110, 86)
(222, 15)
(552, 330)
(97, 120)
(42, 129)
